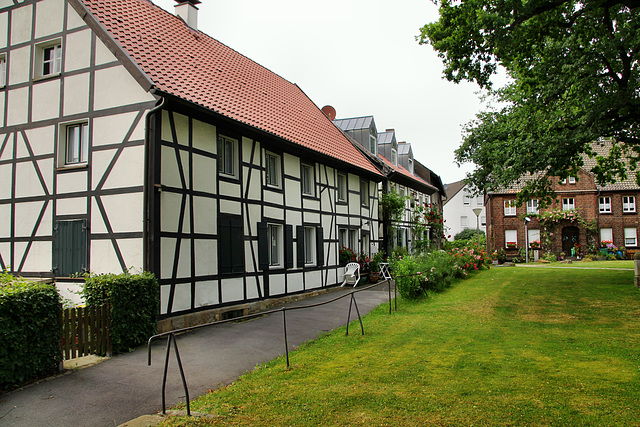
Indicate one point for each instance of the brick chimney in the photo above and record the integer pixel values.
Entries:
(187, 10)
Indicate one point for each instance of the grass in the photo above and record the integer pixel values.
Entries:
(509, 346)
(589, 264)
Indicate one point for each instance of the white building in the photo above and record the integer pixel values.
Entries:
(458, 210)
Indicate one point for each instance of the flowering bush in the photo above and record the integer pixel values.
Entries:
(535, 244)
(346, 254)
(436, 271)
(604, 243)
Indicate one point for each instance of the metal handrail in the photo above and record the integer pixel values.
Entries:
(171, 334)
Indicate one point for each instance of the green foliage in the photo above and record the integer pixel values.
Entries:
(414, 276)
(392, 205)
(29, 330)
(549, 256)
(376, 260)
(574, 79)
(427, 217)
(134, 301)
(468, 234)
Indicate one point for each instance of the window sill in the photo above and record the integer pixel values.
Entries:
(48, 76)
(72, 167)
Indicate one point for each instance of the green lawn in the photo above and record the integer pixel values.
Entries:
(509, 346)
(587, 264)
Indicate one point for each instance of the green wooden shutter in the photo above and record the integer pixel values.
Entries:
(288, 246)
(237, 245)
(224, 245)
(300, 251)
(70, 247)
(320, 246)
(263, 246)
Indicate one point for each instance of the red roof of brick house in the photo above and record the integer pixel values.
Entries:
(174, 59)
(403, 171)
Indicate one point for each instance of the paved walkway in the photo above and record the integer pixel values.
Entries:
(124, 387)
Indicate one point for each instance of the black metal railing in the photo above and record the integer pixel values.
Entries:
(170, 335)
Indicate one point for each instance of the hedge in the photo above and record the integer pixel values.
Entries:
(134, 301)
(29, 331)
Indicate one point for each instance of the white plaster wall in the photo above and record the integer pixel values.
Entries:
(171, 209)
(5, 176)
(4, 23)
(49, 17)
(271, 212)
(128, 170)
(113, 129)
(39, 257)
(455, 208)
(5, 226)
(182, 297)
(277, 284)
(206, 257)
(124, 211)
(230, 207)
(76, 94)
(71, 182)
(207, 293)
(295, 282)
(205, 215)
(74, 206)
(27, 181)
(232, 289)
(19, 66)
(278, 198)
(41, 139)
(204, 136)
(74, 20)
(204, 174)
(103, 54)
(129, 91)
(46, 90)
(21, 24)
(253, 283)
(77, 50)
(18, 106)
(26, 215)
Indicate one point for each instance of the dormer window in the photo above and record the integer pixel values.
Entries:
(410, 165)
(373, 142)
(48, 58)
(394, 156)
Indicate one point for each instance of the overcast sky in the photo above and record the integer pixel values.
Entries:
(359, 56)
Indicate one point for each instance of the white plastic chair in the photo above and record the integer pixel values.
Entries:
(384, 270)
(351, 274)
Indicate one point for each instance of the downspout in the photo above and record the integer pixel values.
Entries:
(148, 187)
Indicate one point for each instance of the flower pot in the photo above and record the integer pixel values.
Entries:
(373, 277)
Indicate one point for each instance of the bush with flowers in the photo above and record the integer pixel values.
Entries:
(436, 271)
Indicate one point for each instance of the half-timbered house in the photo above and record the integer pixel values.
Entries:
(130, 139)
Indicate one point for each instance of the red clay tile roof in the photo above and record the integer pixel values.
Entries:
(193, 66)
(401, 170)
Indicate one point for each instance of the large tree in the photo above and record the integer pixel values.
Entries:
(574, 79)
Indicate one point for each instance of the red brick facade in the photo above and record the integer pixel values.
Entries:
(586, 196)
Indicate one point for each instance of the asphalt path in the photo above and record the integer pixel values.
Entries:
(124, 387)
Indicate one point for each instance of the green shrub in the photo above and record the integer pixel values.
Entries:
(549, 256)
(134, 301)
(29, 331)
(405, 271)
(469, 234)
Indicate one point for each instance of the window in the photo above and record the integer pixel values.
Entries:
(605, 204)
(606, 235)
(73, 140)
(509, 208)
(483, 220)
(3, 71)
(273, 169)
(532, 206)
(373, 145)
(534, 236)
(48, 58)
(309, 245)
(410, 168)
(572, 180)
(630, 237)
(342, 237)
(464, 222)
(228, 156)
(364, 193)
(274, 237)
(366, 248)
(230, 244)
(480, 200)
(342, 188)
(394, 156)
(511, 238)
(628, 204)
(308, 186)
(353, 241)
(568, 204)
(466, 198)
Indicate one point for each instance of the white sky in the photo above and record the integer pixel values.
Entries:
(359, 56)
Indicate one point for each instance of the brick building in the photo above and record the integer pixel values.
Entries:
(584, 213)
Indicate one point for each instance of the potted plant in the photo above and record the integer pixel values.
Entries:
(374, 266)
(511, 245)
(346, 255)
(535, 244)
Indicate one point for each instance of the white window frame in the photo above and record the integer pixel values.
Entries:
(55, 62)
(394, 156)
(510, 236)
(630, 237)
(572, 180)
(343, 187)
(532, 206)
(364, 193)
(464, 221)
(410, 165)
(604, 204)
(353, 241)
(628, 204)
(606, 234)
(342, 237)
(82, 144)
(510, 207)
(3, 71)
(466, 198)
(273, 170)
(307, 179)
(568, 204)
(483, 220)
(229, 164)
(310, 246)
(480, 200)
(373, 144)
(276, 247)
(533, 234)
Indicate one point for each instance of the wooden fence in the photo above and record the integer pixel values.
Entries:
(85, 331)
